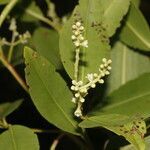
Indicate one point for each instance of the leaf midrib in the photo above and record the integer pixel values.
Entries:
(53, 99)
(13, 139)
(108, 8)
(147, 44)
(126, 101)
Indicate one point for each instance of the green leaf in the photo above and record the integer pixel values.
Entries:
(49, 92)
(46, 44)
(98, 42)
(35, 9)
(131, 147)
(136, 3)
(113, 13)
(136, 32)
(8, 108)
(128, 65)
(4, 2)
(132, 128)
(131, 98)
(18, 138)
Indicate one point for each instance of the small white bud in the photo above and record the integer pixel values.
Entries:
(82, 100)
(84, 90)
(78, 24)
(101, 73)
(74, 82)
(81, 38)
(81, 28)
(73, 37)
(76, 33)
(80, 83)
(90, 77)
(109, 68)
(101, 66)
(76, 43)
(73, 26)
(93, 85)
(73, 88)
(109, 61)
(73, 100)
(105, 64)
(104, 60)
(76, 89)
(78, 113)
(77, 95)
(101, 81)
(95, 75)
(85, 43)
(107, 72)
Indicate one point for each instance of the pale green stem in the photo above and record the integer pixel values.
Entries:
(55, 142)
(6, 11)
(11, 48)
(42, 18)
(12, 44)
(45, 131)
(88, 84)
(76, 65)
(12, 71)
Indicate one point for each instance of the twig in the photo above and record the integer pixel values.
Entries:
(12, 71)
(6, 11)
(45, 131)
(56, 141)
(11, 48)
(42, 18)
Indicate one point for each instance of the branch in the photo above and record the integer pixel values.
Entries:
(6, 10)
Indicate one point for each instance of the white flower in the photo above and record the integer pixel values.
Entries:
(85, 43)
(82, 100)
(90, 77)
(78, 113)
(73, 100)
(104, 60)
(78, 24)
(101, 81)
(93, 85)
(73, 37)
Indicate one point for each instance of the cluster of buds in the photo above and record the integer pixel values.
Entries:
(81, 90)
(24, 37)
(77, 37)
(16, 37)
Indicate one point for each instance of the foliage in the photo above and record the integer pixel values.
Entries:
(67, 59)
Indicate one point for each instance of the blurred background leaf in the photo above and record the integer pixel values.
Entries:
(127, 64)
(7, 108)
(18, 137)
(136, 32)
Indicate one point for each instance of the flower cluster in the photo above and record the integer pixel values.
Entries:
(16, 37)
(77, 37)
(81, 90)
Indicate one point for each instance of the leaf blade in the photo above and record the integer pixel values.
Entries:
(55, 93)
(121, 125)
(138, 29)
(19, 137)
(129, 65)
(129, 98)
